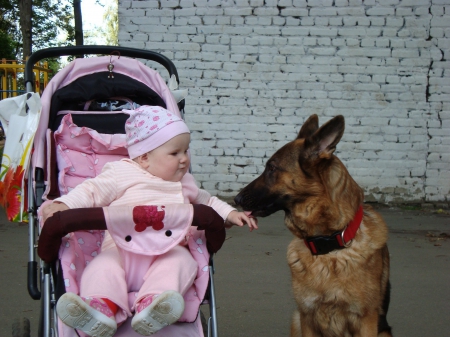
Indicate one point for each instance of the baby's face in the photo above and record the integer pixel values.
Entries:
(170, 161)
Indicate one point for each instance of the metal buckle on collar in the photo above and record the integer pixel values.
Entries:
(320, 245)
(346, 244)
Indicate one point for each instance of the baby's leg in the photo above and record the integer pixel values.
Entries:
(160, 300)
(95, 311)
(175, 270)
(104, 277)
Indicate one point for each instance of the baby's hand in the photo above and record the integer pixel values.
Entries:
(54, 207)
(240, 218)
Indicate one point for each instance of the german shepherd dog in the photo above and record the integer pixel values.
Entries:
(338, 258)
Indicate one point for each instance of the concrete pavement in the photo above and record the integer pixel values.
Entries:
(253, 280)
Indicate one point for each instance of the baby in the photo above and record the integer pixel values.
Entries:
(155, 174)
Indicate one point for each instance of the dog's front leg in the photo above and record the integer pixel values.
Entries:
(369, 325)
(295, 325)
(300, 326)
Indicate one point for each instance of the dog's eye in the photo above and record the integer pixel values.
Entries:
(271, 168)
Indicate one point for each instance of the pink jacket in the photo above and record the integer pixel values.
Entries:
(111, 188)
(125, 183)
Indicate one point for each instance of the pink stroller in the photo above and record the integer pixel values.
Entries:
(89, 94)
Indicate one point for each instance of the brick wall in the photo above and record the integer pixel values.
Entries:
(257, 69)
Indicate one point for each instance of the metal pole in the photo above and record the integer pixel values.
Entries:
(212, 304)
(46, 299)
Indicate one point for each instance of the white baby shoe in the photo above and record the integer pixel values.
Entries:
(164, 309)
(90, 315)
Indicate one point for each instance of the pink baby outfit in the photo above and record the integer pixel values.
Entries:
(135, 263)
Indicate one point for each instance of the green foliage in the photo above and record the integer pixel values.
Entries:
(110, 25)
(111, 18)
(7, 46)
(54, 64)
(6, 9)
(9, 31)
(49, 18)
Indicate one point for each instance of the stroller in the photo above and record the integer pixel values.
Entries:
(92, 92)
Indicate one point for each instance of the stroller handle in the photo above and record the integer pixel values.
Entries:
(105, 50)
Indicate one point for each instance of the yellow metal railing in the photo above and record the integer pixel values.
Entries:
(9, 71)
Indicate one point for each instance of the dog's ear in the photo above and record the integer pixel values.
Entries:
(309, 127)
(323, 142)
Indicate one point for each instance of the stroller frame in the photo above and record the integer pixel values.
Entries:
(47, 272)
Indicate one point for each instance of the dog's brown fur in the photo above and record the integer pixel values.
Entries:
(345, 292)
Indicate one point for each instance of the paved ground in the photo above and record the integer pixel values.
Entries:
(253, 280)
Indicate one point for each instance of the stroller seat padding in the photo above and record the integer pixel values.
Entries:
(82, 152)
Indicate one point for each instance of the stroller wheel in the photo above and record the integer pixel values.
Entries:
(21, 327)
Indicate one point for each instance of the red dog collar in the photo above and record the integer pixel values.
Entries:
(323, 244)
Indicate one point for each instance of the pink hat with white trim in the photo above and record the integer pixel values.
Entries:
(149, 127)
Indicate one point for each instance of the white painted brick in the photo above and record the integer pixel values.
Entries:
(355, 11)
(134, 44)
(144, 4)
(294, 11)
(186, 3)
(237, 11)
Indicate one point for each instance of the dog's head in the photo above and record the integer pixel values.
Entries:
(304, 177)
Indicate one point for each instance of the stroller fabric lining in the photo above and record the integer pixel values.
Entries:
(82, 152)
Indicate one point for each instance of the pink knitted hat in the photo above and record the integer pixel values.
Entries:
(149, 127)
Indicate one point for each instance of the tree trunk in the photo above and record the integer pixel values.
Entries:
(25, 11)
(78, 22)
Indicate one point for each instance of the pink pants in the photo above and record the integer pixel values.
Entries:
(127, 278)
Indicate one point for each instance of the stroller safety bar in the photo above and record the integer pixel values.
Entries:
(105, 50)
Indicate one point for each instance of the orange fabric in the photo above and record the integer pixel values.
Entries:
(113, 306)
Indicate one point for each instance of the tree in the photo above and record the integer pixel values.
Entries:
(78, 22)
(50, 17)
(8, 31)
(40, 23)
(7, 50)
(110, 25)
(25, 26)
(111, 18)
